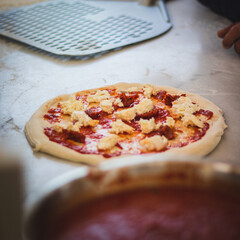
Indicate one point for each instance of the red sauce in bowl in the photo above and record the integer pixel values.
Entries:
(154, 214)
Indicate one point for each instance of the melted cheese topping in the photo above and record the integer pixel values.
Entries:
(144, 106)
(118, 102)
(155, 143)
(149, 91)
(106, 106)
(148, 126)
(98, 96)
(59, 127)
(184, 105)
(170, 122)
(72, 105)
(192, 120)
(131, 89)
(120, 127)
(107, 142)
(83, 119)
(129, 114)
(126, 114)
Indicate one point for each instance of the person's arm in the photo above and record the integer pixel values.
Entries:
(231, 10)
(227, 8)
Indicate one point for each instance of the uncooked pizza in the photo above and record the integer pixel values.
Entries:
(125, 119)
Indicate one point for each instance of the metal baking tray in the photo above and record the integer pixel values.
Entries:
(84, 27)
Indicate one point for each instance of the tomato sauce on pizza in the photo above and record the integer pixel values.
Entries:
(125, 119)
(111, 123)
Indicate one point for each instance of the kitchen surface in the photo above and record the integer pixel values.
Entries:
(189, 57)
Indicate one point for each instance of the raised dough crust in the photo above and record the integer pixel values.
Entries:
(40, 142)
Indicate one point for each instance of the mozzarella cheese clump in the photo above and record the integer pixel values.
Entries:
(184, 105)
(129, 114)
(148, 126)
(126, 114)
(118, 102)
(83, 119)
(131, 89)
(155, 143)
(144, 106)
(98, 96)
(170, 122)
(75, 127)
(192, 120)
(149, 91)
(107, 142)
(120, 127)
(59, 127)
(72, 105)
(106, 106)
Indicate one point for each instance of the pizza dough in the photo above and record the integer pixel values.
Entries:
(125, 119)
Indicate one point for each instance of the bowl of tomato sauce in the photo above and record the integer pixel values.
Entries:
(142, 200)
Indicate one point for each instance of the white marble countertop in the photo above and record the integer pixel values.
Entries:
(189, 57)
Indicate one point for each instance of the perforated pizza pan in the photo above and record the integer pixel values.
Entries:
(80, 28)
